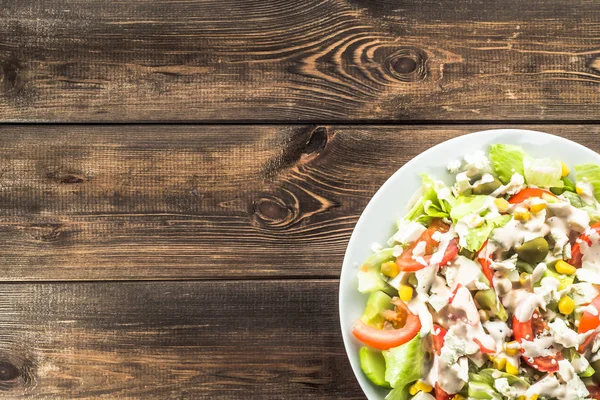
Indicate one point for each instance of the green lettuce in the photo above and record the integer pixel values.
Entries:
(591, 174)
(592, 210)
(481, 384)
(369, 275)
(430, 205)
(507, 159)
(477, 236)
(466, 205)
(403, 367)
(543, 172)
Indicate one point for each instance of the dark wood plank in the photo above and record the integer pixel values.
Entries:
(336, 60)
(206, 202)
(177, 340)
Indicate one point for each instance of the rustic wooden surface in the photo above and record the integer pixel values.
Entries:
(201, 260)
(281, 60)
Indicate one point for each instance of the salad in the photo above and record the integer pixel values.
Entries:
(490, 287)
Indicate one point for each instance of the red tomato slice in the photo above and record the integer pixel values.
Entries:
(589, 322)
(386, 339)
(576, 255)
(440, 394)
(525, 331)
(438, 340)
(594, 392)
(485, 262)
(527, 193)
(406, 263)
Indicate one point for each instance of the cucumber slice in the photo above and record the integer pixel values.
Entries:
(373, 365)
(377, 302)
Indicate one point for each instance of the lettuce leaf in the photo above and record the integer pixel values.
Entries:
(369, 276)
(507, 159)
(543, 172)
(481, 384)
(436, 202)
(403, 367)
(592, 210)
(465, 205)
(591, 174)
(477, 236)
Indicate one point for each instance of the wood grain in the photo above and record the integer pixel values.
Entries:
(196, 202)
(333, 60)
(173, 340)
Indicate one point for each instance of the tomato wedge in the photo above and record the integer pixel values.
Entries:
(594, 392)
(438, 339)
(529, 330)
(527, 193)
(576, 255)
(485, 262)
(386, 339)
(405, 261)
(440, 394)
(589, 322)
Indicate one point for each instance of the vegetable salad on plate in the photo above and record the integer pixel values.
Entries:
(490, 287)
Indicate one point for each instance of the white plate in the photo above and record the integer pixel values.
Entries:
(377, 222)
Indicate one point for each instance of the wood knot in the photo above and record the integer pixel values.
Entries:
(9, 76)
(68, 178)
(8, 371)
(272, 212)
(316, 143)
(407, 65)
(46, 232)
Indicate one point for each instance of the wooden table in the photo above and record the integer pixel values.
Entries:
(179, 178)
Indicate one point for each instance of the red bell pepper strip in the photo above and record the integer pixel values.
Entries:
(576, 255)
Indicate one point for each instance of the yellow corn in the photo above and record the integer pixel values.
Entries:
(501, 204)
(405, 292)
(563, 267)
(579, 190)
(511, 348)
(533, 397)
(458, 397)
(536, 208)
(565, 169)
(499, 363)
(413, 390)
(523, 278)
(423, 387)
(390, 269)
(566, 305)
(512, 369)
(522, 215)
(521, 397)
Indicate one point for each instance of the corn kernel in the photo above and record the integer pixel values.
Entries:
(522, 215)
(512, 348)
(566, 305)
(390, 269)
(524, 278)
(521, 397)
(423, 387)
(501, 204)
(536, 208)
(565, 169)
(533, 397)
(499, 363)
(406, 293)
(413, 390)
(458, 397)
(512, 369)
(563, 267)
(579, 190)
